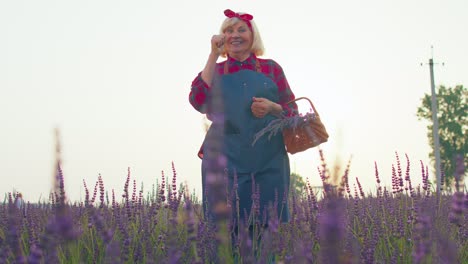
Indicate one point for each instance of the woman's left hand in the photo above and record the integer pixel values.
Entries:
(261, 107)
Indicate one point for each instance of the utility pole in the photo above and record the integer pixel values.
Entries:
(435, 127)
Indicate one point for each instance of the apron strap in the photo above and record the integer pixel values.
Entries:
(257, 67)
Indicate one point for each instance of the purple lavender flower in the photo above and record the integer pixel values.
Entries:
(395, 180)
(421, 238)
(87, 202)
(35, 255)
(455, 215)
(331, 231)
(14, 231)
(361, 192)
(400, 174)
(101, 191)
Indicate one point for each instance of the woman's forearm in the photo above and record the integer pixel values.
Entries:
(275, 109)
(209, 70)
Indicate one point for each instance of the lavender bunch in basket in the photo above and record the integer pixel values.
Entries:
(285, 122)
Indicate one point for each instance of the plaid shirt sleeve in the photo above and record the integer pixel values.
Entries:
(199, 93)
(284, 91)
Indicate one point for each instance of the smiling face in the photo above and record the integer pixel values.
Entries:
(238, 40)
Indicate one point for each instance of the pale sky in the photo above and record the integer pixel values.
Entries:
(114, 77)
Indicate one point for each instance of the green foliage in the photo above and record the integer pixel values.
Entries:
(297, 184)
(453, 123)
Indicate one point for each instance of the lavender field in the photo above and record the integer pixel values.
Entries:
(407, 223)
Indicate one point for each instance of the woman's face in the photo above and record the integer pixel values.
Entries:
(238, 39)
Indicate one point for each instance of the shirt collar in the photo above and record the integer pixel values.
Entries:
(250, 60)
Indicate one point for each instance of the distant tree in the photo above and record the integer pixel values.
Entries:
(297, 184)
(452, 109)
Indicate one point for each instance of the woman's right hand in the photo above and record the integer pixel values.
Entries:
(217, 42)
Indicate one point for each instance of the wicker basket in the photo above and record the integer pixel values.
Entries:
(305, 136)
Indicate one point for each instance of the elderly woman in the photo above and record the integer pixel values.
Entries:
(254, 92)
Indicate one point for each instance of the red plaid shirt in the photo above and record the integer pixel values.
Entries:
(270, 68)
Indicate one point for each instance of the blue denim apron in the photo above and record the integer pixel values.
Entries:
(264, 165)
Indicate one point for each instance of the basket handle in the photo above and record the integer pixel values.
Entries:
(305, 98)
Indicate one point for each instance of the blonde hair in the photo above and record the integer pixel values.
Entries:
(257, 43)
